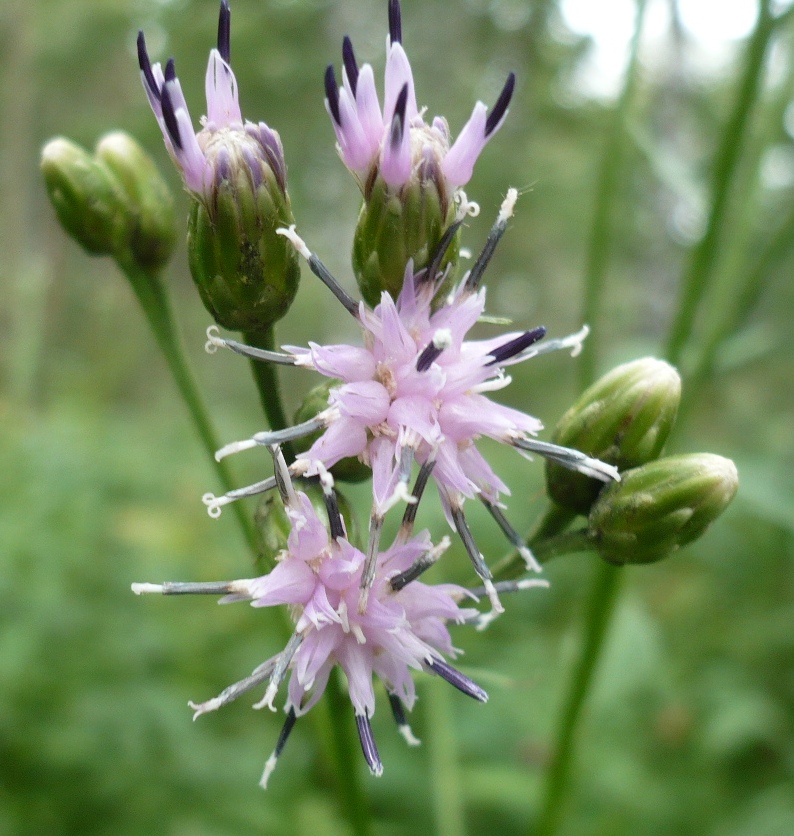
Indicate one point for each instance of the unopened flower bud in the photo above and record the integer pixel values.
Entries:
(86, 197)
(149, 205)
(346, 470)
(661, 506)
(623, 419)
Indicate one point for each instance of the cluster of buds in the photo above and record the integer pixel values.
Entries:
(413, 397)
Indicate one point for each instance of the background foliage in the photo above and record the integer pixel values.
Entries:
(690, 727)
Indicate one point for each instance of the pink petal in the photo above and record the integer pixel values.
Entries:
(398, 73)
(367, 401)
(458, 165)
(290, 582)
(221, 88)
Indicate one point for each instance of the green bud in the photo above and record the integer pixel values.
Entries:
(274, 525)
(347, 470)
(86, 197)
(661, 506)
(623, 419)
(246, 274)
(395, 227)
(150, 219)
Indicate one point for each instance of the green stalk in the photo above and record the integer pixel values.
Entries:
(342, 737)
(268, 386)
(449, 810)
(696, 281)
(156, 305)
(599, 613)
(544, 549)
(601, 229)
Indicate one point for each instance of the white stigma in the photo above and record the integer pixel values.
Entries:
(529, 559)
(442, 339)
(270, 765)
(235, 447)
(508, 206)
(214, 340)
(295, 239)
(493, 597)
(214, 504)
(204, 707)
(408, 735)
(267, 700)
(465, 206)
(146, 588)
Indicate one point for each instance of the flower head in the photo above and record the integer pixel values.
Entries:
(247, 277)
(396, 142)
(410, 171)
(402, 629)
(417, 391)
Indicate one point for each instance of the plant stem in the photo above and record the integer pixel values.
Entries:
(695, 282)
(602, 604)
(341, 735)
(267, 384)
(151, 294)
(601, 228)
(448, 805)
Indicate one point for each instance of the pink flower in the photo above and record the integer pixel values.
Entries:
(225, 143)
(397, 141)
(402, 629)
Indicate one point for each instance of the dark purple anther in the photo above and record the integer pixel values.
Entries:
(398, 120)
(170, 70)
(332, 94)
(395, 22)
(368, 746)
(285, 732)
(349, 59)
(502, 103)
(146, 66)
(430, 353)
(335, 521)
(225, 31)
(169, 117)
(456, 678)
(516, 346)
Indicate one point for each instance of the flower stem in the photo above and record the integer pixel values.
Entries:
(151, 294)
(448, 807)
(599, 613)
(343, 745)
(697, 278)
(267, 383)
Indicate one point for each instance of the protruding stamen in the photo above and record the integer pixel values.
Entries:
(269, 438)
(419, 566)
(494, 236)
(475, 555)
(441, 250)
(280, 671)
(215, 341)
(169, 117)
(224, 31)
(271, 762)
(398, 119)
(511, 586)
(319, 269)
(572, 341)
(407, 526)
(239, 587)
(395, 22)
(349, 60)
(215, 503)
(398, 713)
(332, 94)
(515, 539)
(146, 66)
(282, 477)
(370, 564)
(502, 103)
(442, 339)
(456, 678)
(368, 746)
(234, 691)
(567, 457)
(335, 521)
(516, 346)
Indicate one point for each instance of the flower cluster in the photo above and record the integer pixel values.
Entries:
(412, 396)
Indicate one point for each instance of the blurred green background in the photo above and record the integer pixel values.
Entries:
(690, 726)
